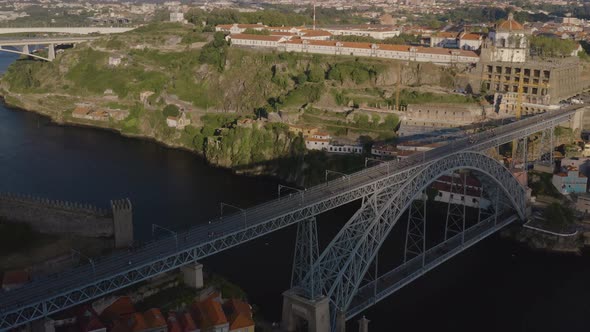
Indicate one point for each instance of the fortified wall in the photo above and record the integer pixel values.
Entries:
(442, 115)
(62, 217)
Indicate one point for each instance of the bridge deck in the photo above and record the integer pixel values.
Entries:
(55, 293)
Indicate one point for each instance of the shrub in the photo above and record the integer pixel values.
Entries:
(171, 110)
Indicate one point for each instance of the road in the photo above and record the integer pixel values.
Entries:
(227, 232)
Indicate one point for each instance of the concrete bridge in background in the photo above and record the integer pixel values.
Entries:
(72, 30)
(23, 46)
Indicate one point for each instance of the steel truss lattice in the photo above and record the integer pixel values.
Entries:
(306, 252)
(416, 228)
(455, 220)
(378, 186)
(345, 261)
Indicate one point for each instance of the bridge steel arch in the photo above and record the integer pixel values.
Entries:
(341, 267)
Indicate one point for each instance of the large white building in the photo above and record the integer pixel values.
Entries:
(256, 40)
(460, 189)
(508, 42)
(388, 51)
(323, 142)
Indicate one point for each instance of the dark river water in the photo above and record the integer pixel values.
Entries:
(494, 286)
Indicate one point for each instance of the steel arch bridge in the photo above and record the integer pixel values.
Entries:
(339, 270)
(379, 187)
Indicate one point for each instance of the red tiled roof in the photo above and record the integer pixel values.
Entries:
(510, 24)
(122, 306)
(87, 319)
(211, 313)
(246, 36)
(315, 33)
(241, 314)
(188, 324)
(15, 277)
(471, 36)
(444, 34)
(153, 318)
(282, 33)
(81, 110)
(173, 323)
(135, 322)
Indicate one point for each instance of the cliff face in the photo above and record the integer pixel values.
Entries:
(143, 71)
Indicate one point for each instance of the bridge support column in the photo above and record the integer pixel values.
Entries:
(51, 52)
(193, 275)
(455, 221)
(316, 313)
(363, 324)
(26, 49)
(306, 253)
(416, 229)
(43, 325)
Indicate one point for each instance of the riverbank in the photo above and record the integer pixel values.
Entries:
(300, 168)
(538, 240)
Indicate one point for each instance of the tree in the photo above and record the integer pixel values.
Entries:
(215, 51)
(316, 74)
(171, 110)
(262, 32)
(301, 79)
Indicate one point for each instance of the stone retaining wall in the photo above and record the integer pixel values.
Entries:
(57, 217)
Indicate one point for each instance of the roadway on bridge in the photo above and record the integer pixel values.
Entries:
(44, 41)
(16, 306)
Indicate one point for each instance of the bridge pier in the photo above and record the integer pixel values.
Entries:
(43, 325)
(315, 312)
(51, 52)
(363, 324)
(193, 275)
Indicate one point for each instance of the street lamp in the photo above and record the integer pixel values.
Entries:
(367, 159)
(222, 204)
(155, 226)
(280, 187)
(345, 176)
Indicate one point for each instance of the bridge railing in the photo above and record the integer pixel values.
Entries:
(261, 213)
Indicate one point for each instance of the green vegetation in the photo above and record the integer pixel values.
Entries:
(193, 37)
(227, 289)
(214, 52)
(543, 185)
(262, 32)
(171, 110)
(173, 298)
(357, 71)
(401, 39)
(552, 47)
(558, 217)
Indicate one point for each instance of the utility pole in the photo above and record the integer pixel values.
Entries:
(314, 4)
(398, 87)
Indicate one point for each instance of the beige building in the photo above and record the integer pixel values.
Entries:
(256, 40)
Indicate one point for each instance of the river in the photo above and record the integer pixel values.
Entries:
(494, 286)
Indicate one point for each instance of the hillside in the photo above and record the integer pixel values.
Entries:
(143, 71)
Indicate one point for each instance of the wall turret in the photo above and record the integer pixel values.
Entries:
(122, 222)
